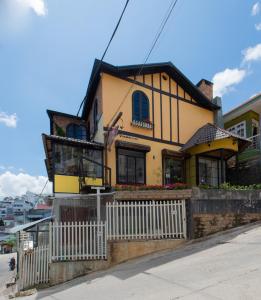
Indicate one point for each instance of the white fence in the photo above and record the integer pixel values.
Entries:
(146, 220)
(33, 267)
(77, 241)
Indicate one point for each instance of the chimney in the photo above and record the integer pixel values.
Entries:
(206, 87)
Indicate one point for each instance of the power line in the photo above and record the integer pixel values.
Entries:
(105, 51)
(156, 38)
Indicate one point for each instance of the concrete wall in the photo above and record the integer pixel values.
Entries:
(60, 272)
(118, 251)
(213, 210)
(126, 250)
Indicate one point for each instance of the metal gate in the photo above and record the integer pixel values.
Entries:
(33, 267)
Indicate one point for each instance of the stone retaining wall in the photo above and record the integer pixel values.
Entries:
(211, 211)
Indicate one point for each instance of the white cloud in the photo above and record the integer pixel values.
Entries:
(18, 184)
(252, 53)
(38, 6)
(255, 9)
(258, 27)
(224, 81)
(8, 120)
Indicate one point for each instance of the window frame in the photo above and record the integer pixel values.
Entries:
(140, 106)
(233, 128)
(182, 161)
(141, 154)
(95, 116)
(75, 128)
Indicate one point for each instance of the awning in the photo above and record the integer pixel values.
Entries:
(132, 146)
(28, 225)
(210, 133)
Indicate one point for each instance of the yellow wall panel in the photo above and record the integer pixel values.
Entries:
(165, 117)
(191, 118)
(66, 184)
(165, 82)
(174, 120)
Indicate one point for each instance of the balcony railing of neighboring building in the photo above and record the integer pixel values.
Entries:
(255, 142)
(97, 171)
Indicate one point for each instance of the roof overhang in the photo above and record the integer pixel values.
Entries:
(253, 103)
(131, 70)
(27, 226)
(210, 138)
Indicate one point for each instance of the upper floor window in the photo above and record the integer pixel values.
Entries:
(140, 107)
(76, 131)
(95, 115)
(239, 129)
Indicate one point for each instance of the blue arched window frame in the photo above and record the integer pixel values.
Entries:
(76, 131)
(140, 107)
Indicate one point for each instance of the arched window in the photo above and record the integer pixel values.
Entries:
(140, 107)
(76, 131)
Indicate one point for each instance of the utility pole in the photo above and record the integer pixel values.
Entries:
(98, 202)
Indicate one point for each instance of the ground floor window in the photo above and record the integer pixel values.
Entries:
(130, 167)
(210, 171)
(173, 170)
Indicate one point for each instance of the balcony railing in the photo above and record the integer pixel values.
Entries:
(255, 142)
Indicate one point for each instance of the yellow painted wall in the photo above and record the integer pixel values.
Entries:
(153, 159)
(228, 143)
(70, 184)
(191, 118)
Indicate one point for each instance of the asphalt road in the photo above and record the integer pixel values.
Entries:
(227, 266)
(5, 274)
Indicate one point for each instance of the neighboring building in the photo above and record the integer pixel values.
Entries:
(153, 128)
(244, 120)
(41, 211)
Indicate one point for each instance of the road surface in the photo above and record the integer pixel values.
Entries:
(227, 266)
(5, 275)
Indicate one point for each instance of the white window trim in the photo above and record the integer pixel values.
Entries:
(233, 128)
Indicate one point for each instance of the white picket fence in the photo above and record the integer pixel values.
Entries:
(146, 220)
(33, 267)
(78, 241)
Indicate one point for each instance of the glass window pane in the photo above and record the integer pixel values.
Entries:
(122, 168)
(208, 171)
(173, 170)
(131, 170)
(140, 172)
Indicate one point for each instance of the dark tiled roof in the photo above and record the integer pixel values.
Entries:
(72, 140)
(209, 133)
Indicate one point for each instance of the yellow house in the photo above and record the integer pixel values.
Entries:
(142, 125)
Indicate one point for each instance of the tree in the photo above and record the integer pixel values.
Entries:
(2, 222)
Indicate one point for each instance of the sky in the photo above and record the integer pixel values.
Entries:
(47, 49)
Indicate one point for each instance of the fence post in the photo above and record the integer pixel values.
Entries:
(154, 219)
(50, 241)
(184, 219)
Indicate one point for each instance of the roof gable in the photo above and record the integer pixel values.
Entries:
(132, 70)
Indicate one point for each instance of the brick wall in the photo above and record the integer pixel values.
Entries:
(63, 122)
(206, 88)
(153, 195)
